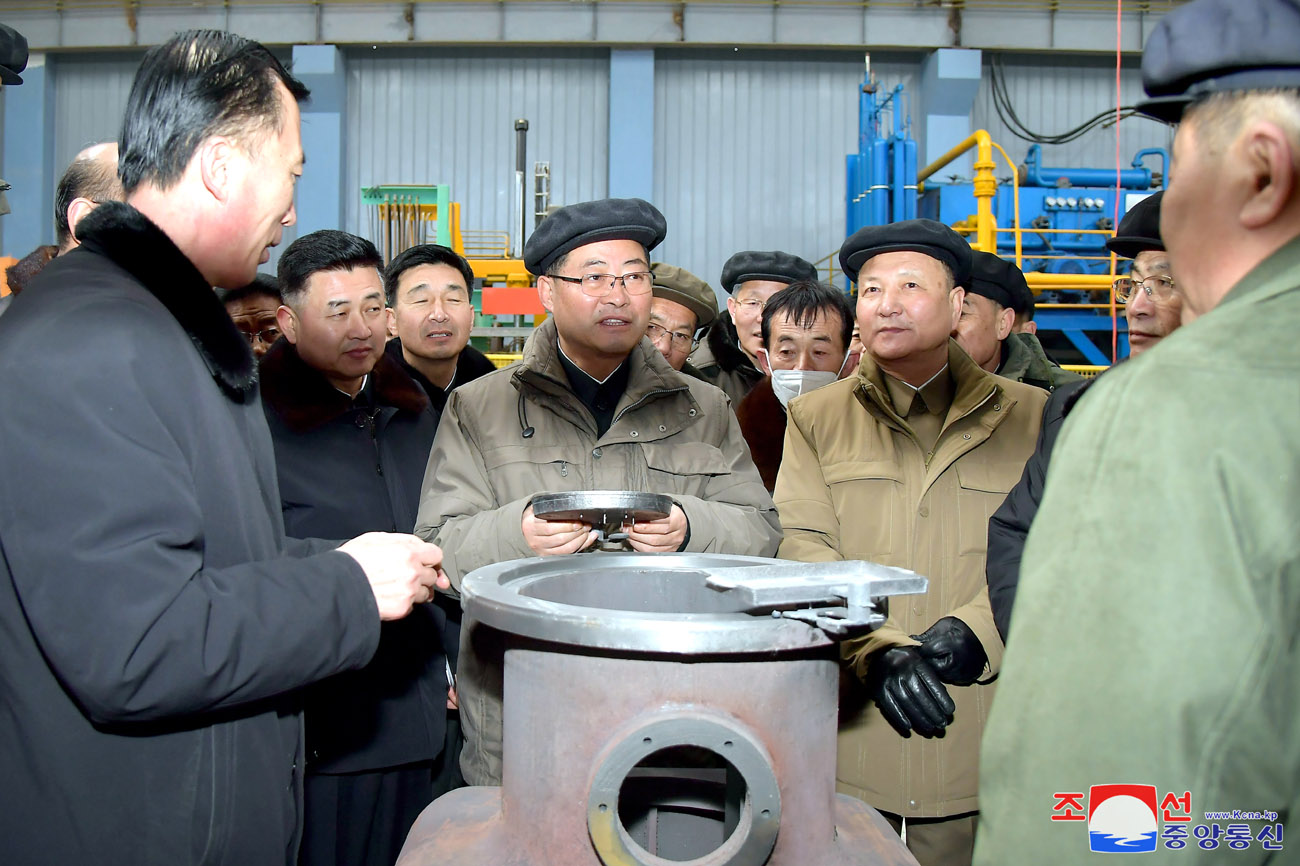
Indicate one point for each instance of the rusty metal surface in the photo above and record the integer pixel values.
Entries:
(585, 721)
(564, 711)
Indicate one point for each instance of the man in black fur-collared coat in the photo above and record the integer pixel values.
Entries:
(352, 433)
(156, 625)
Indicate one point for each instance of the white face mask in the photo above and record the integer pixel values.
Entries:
(788, 384)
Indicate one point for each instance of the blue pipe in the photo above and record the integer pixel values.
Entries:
(1037, 175)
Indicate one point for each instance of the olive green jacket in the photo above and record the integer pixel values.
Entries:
(1154, 640)
(1027, 362)
(856, 484)
(671, 434)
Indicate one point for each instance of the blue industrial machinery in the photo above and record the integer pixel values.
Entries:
(1065, 213)
(881, 176)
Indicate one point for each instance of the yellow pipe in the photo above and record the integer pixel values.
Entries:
(986, 185)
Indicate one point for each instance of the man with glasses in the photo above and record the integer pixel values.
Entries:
(1155, 631)
(1152, 306)
(807, 328)
(252, 309)
(1153, 309)
(592, 405)
(683, 304)
(729, 358)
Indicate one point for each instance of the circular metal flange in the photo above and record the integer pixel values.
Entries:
(752, 840)
(630, 602)
(602, 507)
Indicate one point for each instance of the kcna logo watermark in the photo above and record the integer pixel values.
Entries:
(1131, 819)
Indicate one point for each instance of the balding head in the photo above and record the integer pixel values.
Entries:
(89, 180)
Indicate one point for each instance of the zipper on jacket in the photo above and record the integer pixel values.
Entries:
(564, 469)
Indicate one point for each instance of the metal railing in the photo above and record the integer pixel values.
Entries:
(485, 244)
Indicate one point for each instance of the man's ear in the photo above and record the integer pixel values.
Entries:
(545, 290)
(288, 322)
(391, 316)
(77, 209)
(1265, 156)
(1006, 319)
(216, 157)
(1030, 327)
(764, 363)
(731, 309)
(955, 297)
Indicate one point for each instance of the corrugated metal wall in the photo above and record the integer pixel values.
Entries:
(1053, 94)
(750, 147)
(90, 93)
(447, 116)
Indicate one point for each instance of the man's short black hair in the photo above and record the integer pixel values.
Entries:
(803, 301)
(95, 179)
(325, 250)
(262, 284)
(424, 254)
(196, 85)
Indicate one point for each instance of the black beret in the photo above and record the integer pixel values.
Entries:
(932, 238)
(1000, 280)
(1212, 46)
(590, 222)
(13, 55)
(775, 265)
(1139, 230)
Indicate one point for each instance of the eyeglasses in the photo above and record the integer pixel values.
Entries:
(676, 338)
(1158, 287)
(267, 336)
(752, 305)
(600, 285)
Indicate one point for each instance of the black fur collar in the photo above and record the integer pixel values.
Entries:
(305, 399)
(127, 237)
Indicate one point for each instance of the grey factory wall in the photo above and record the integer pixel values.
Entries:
(749, 144)
(750, 147)
(1052, 93)
(447, 116)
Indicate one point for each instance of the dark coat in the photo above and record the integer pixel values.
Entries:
(154, 619)
(762, 422)
(469, 366)
(345, 468)
(1009, 525)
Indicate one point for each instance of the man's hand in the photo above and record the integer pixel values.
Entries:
(556, 537)
(664, 535)
(403, 570)
(909, 693)
(953, 651)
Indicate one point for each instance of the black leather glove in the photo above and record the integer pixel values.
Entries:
(953, 651)
(909, 692)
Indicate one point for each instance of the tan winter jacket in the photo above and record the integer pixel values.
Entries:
(856, 484)
(671, 434)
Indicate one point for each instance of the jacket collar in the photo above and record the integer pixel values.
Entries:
(973, 384)
(302, 396)
(130, 240)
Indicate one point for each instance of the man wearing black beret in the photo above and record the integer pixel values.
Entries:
(997, 294)
(1154, 637)
(903, 464)
(729, 358)
(592, 405)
